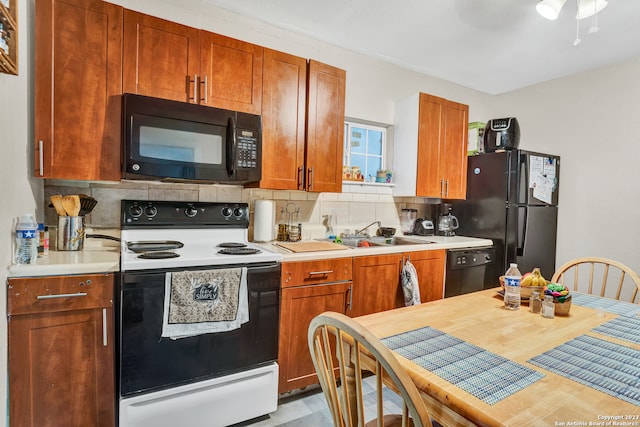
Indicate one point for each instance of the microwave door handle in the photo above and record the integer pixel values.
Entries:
(231, 145)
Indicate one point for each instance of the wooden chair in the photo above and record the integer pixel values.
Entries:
(624, 283)
(341, 346)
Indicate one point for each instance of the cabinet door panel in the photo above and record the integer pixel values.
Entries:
(299, 306)
(430, 266)
(159, 57)
(78, 75)
(60, 371)
(233, 69)
(325, 127)
(376, 284)
(283, 114)
(430, 145)
(454, 154)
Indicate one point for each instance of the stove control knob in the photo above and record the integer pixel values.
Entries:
(226, 212)
(135, 211)
(190, 211)
(151, 211)
(238, 212)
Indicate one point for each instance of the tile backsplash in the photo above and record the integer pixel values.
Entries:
(351, 209)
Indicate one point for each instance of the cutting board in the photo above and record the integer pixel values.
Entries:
(310, 246)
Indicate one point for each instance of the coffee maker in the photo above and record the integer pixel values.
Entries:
(447, 223)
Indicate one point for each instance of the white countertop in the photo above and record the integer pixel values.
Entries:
(86, 261)
(105, 259)
(439, 242)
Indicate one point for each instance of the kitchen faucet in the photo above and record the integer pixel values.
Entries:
(357, 233)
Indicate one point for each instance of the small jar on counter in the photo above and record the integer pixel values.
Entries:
(535, 303)
(548, 308)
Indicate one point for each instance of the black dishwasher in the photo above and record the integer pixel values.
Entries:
(467, 270)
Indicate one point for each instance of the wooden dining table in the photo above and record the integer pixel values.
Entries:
(480, 319)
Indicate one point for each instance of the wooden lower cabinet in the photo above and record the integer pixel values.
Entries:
(376, 284)
(376, 280)
(352, 286)
(430, 266)
(308, 289)
(61, 359)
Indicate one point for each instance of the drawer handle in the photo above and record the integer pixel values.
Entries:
(104, 327)
(320, 273)
(79, 294)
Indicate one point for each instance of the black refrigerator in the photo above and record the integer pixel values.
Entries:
(512, 199)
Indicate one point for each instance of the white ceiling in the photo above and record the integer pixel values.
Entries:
(494, 46)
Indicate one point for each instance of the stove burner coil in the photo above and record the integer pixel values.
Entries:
(154, 245)
(239, 251)
(232, 245)
(158, 255)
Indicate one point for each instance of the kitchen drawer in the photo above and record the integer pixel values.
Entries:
(59, 293)
(313, 272)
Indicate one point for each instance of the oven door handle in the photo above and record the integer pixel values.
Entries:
(231, 145)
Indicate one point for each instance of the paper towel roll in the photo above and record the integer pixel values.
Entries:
(263, 220)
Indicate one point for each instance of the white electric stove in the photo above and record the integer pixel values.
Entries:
(206, 379)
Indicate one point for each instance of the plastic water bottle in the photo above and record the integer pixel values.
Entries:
(26, 240)
(512, 287)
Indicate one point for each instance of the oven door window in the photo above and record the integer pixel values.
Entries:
(149, 362)
(160, 138)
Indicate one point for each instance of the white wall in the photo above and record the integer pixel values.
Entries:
(18, 192)
(592, 120)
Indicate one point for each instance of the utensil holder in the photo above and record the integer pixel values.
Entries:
(70, 233)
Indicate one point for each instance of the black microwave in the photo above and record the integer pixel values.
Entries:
(177, 141)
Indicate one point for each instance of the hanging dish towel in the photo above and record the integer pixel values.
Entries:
(204, 301)
(410, 289)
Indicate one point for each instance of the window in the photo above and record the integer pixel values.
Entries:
(364, 146)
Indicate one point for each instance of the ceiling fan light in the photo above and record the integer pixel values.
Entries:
(550, 9)
(587, 8)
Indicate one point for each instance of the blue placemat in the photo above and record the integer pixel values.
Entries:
(623, 327)
(621, 308)
(485, 375)
(611, 368)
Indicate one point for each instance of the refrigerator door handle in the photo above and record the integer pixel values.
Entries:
(522, 230)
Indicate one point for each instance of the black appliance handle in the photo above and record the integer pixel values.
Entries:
(523, 191)
(522, 234)
(231, 145)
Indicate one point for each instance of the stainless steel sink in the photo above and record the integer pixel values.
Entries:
(373, 242)
(395, 241)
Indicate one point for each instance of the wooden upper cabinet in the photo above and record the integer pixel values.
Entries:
(325, 127)
(231, 73)
(453, 162)
(430, 135)
(78, 83)
(442, 148)
(173, 61)
(430, 147)
(161, 58)
(284, 86)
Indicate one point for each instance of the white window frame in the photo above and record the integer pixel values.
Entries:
(348, 124)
